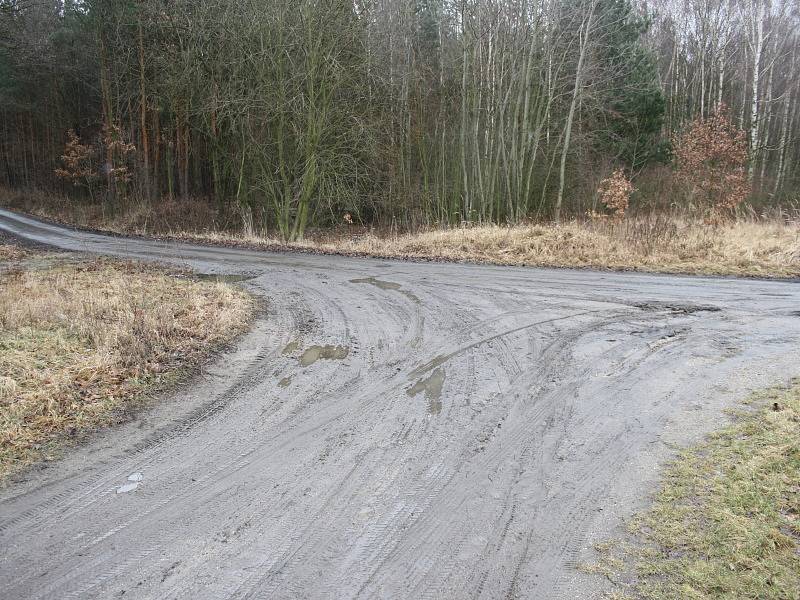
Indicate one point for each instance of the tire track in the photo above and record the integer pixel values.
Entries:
(558, 391)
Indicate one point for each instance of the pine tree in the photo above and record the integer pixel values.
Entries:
(632, 102)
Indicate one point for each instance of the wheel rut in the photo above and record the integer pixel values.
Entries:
(557, 396)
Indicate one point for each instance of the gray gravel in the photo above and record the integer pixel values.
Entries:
(395, 430)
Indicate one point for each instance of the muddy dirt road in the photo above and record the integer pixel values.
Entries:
(395, 430)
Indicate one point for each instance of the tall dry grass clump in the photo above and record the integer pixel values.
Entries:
(79, 340)
(657, 243)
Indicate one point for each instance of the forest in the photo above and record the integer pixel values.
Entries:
(300, 114)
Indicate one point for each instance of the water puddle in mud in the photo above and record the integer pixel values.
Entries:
(435, 362)
(222, 278)
(285, 381)
(386, 285)
(291, 347)
(314, 353)
(134, 479)
(432, 387)
(686, 309)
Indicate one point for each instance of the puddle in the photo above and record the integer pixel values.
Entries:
(315, 353)
(435, 362)
(387, 285)
(686, 309)
(222, 278)
(134, 479)
(291, 347)
(432, 387)
(384, 285)
(285, 381)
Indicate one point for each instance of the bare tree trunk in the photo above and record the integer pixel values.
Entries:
(464, 67)
(584, 32)
(780, 172)
(108, 117)
(145, 142)
(757, 47)
(766, 113)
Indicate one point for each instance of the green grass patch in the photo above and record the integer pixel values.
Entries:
(726, 520)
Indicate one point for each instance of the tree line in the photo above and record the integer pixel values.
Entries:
(298, 112)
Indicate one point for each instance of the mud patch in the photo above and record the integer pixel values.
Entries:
(384, 285)
(387, 285)
(432, 387)
(329, 352)
(290, 347)
(667, 337)
(685, 309)
(435, 362)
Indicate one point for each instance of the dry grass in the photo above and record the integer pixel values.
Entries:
(755, 247)
(744, 248)
(160, 218)
(726, 521)
(9, 252)
(80, 341)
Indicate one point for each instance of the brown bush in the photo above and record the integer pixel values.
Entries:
(711, 156)
(78, 163)
(119, 153)
(615, 193)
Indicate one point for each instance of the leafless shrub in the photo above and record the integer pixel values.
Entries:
(118, 152)
(649, 233)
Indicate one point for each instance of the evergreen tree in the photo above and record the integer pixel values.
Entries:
(632, 102)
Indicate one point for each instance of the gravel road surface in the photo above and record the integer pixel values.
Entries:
(394, 430)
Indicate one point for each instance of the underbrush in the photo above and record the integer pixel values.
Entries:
(79, 340)
(158, 218)
(753, 245)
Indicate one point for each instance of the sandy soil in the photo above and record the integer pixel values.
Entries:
(396, 430)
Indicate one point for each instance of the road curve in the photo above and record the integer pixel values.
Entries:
(394, 430)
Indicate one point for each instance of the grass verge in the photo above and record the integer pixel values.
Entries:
(659, 244)
(652, 243)
(726, 521)
(9, 252)
(80, 340)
